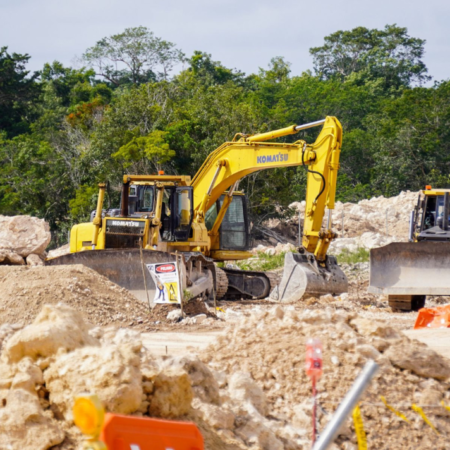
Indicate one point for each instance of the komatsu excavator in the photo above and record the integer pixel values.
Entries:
(191, 224)
(409, 271)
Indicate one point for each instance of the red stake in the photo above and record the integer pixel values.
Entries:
(314, 371)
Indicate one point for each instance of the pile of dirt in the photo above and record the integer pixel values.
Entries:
(248, 391)
(24, 290)
(269, 346)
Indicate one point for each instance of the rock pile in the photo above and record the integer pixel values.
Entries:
(247, 391)
(23, 240)
(368, 223)
(271, 400)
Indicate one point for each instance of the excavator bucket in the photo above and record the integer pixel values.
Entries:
(303, 276)
(123, 267)
(410, 269)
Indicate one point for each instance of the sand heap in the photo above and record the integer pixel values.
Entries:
(24, 290)
(23, 240)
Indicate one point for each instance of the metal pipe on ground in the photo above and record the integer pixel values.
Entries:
(346, 407)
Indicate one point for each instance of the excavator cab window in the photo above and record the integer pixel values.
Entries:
(234, 228)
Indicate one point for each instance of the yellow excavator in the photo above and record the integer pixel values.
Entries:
(168, 221)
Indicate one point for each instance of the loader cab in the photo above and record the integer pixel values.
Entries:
(176, 209)
(434, 216)
(176, 213)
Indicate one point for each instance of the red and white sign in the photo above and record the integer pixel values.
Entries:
(165, 268)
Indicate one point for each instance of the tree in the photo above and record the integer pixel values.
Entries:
(17, 92)
(212, 72)
(133, 57)
(141, 150)
(390, 54)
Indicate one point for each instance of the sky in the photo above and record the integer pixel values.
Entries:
(241, 34)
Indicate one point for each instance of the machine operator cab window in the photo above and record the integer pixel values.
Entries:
(141, 200)
(176, 213)
(234, 233)
(434, 212)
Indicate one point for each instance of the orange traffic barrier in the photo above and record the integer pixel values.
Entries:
(138, 433)
(438, 317)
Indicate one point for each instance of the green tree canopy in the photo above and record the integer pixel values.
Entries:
(134, 56)
(390, 54)
(18, 91)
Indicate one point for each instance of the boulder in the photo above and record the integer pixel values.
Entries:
(23, 424)
(202, 379)
(174, 316)
(215, 416)
(369, 327)
(34, 260)
(55, 327)
(257, 435)
(60, 251)
(172, 395)
(419, 359)
(112, 372)
(24, 235)
(27, 376)
(11, 258)
(243, 388)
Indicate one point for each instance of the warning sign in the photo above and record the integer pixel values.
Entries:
(167, 286)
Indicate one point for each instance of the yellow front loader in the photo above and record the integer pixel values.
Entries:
(409, 271)
(190, 224)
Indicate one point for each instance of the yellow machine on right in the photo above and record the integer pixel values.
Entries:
(409, 271)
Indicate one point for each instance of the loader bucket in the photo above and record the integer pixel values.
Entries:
(415, 268)
(303, 276)
(123, 267)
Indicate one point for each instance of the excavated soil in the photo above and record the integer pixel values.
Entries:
(24, 290)
(271, 347)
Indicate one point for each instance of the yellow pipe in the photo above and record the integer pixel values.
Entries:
(98, 214)
(272, 134)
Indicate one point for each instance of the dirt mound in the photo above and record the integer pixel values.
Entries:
(270, 347)
(24, 290)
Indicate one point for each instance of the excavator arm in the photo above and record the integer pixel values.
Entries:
(234, 160)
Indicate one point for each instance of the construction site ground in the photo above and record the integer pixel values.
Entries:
(238, 371)
(231, 342)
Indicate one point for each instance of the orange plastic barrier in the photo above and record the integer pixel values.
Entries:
(138, 433)
(438, 317)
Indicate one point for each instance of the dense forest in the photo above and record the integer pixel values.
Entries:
(138, 104)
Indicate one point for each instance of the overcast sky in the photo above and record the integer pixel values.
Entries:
(242, 34)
